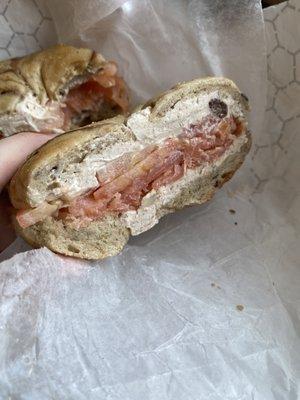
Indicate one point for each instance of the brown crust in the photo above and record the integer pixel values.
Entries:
(166, 100)
(44, 73)
(106, 238)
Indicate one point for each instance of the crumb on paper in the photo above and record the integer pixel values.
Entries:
(230, 193)
(240, 307)
(215, 285)
(232, 211)
(236, 192)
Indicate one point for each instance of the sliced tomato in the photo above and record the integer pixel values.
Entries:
(171, 175)
(87, 207)
(100, 87)
(84, 97)
(114, 169)
(110, 68)
(31, 216)
(127, 179)
(109, 190)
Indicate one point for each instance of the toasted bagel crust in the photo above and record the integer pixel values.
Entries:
(44, 73)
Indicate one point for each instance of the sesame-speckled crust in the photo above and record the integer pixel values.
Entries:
(166, 100)
(97, 240)
(199, 191)
(44, 73)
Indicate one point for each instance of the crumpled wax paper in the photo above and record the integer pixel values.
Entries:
(206, 304)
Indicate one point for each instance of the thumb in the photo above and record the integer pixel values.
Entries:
(15, 149)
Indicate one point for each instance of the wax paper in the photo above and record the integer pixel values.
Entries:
(206, 304)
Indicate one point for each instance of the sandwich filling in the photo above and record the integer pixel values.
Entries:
(95, 98)
(126, 180)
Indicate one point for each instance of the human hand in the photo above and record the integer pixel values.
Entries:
(13, 151)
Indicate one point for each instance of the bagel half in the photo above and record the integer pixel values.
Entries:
(57, 89)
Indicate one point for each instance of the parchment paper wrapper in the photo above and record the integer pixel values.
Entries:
(205, 305)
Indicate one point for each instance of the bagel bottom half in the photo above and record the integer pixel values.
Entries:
(107, 236)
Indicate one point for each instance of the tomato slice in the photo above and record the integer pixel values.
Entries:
(89, 96)
(31, 216)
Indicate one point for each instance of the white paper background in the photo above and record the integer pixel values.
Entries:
(161, 321)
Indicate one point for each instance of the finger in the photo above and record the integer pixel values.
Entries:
(15, 149)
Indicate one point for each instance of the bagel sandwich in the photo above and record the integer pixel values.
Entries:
(85, 192)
